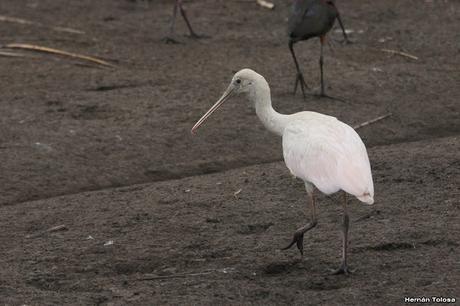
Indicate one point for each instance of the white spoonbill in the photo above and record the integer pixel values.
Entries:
(319, 149)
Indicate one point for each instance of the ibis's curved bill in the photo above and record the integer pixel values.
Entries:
(227, 94)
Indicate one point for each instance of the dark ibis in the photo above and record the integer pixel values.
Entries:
(308, 19)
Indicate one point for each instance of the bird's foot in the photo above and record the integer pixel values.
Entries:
(303, 85)
(343, 269)
(323, 95)
(193, 35)
(169, 40)
(298, 240)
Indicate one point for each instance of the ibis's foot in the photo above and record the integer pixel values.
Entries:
(198, 36)
(303, 85)
(298, 240)
(343, 269)
(169, 40)
(323, 95)
(344, 41)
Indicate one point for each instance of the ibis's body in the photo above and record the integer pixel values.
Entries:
(319, 149)
(308, 19)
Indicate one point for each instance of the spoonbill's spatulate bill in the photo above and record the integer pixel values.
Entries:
(319, 149)
(311, 18)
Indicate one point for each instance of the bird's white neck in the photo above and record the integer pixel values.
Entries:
(271, 119)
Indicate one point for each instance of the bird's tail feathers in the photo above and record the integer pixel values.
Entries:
(366, 198)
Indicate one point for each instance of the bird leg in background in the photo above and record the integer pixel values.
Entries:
(347, 41)
(321, 39)
(170, 39)
(343, 269)
(321, 61)
(184, 15)
(299, 233)
(299, 77)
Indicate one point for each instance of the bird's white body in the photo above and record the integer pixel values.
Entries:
(317, 148)
(329, 154)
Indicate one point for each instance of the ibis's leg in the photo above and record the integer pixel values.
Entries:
(345, 36)
(299, 77)
(299, 233)
(322, 39)
(189, 26)
(169, 39)
(322, 94)
(343, 269)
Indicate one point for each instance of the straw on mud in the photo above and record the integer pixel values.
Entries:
(28, 22)
(57, 228)
(265, 4)
(372, 121)
(157, 277)
(404, 54)
(58, 52)
(180, 275)
(13, 54)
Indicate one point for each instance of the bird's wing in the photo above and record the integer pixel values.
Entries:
(299, 10)
(310, 18)
(329, 154)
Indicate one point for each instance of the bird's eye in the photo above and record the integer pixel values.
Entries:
(238, 81)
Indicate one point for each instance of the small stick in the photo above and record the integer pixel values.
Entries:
(372, 121)
(156, 277)
(28, 22)
(400, 53)
(59, 52)
(57, 228)
(12, 54)
(266, 4)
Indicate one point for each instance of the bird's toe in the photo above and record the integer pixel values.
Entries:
(170, 40)
(199, 36)
(343, 269)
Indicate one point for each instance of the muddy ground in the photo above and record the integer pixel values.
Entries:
(107, 153)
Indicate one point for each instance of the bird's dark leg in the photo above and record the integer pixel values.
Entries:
(189, 26)
(322, 94)
(343, 269)
(345, 36)
(299, 233)
(169, 39)
(322, 38)
(299, 77)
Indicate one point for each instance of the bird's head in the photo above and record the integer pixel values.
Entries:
(244, 81)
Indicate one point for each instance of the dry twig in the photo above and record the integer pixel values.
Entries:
(58, 52)
(57, 228)
(180, 275)
(372, 121)
(400, 53)
(13, 54)
(28, 22)
(156, 277)
(265, 4)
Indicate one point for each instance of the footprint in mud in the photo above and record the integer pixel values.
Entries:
(281, 267)
(254, 228)
(391, 246)
(327, 283)
(90, 112)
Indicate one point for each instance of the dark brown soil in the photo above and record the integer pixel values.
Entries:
(72, 132)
